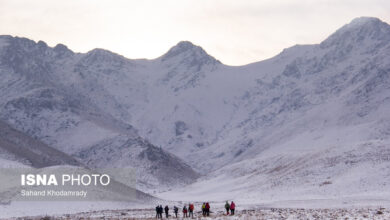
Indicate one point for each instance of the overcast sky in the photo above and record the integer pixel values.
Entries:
(233, 31)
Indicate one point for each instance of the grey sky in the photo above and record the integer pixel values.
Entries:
(234, 31)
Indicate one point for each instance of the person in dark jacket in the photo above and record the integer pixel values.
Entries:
(160, 211)
(157, 212)
(166, 211)
(207, 209)
(176, 210)
(227, 207)
(232, 207)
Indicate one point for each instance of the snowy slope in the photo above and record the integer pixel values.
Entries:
(21, 148)
(124, 152)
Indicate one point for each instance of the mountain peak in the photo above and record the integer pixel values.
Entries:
(364, 21)
(189, 51)
(102, 54)
(183, 47)
(359, 30)
(186, 45)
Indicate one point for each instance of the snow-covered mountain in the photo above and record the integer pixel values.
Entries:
(43, 96)
(314, 118)
(314, 124)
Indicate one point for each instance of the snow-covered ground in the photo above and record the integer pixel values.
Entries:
(363, 207)
(261, 213)
(58, 208)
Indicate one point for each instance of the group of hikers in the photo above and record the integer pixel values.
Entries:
(230, 207)
(189, 212)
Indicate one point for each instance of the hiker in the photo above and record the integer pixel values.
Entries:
(176, 210)
(184, 212)
(157, 212)
(207, 209)
(166, 211)
(227, 207)
(191, 208)
(232, 207)
(204, 209)
(160, 211)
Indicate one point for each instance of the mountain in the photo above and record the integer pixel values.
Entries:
(312, 120)
(314, 124)
(43, 96)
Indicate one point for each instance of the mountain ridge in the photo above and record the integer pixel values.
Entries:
(185, 46)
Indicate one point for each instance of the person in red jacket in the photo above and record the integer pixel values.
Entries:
(191, 208)
(232, 207)
(184, 212)
(207, 209)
